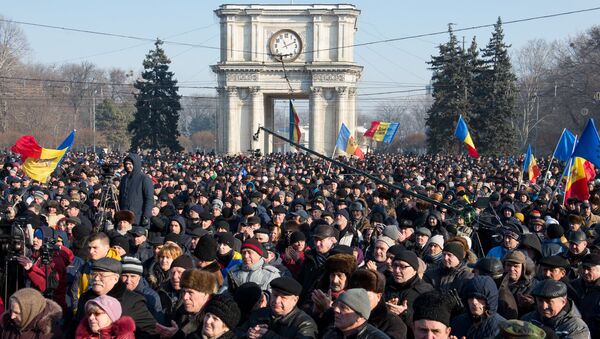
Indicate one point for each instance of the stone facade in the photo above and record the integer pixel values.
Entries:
(250, 77)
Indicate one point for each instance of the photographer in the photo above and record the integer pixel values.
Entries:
(47, 266)
(136, 190)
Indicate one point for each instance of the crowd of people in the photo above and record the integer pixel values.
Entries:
(284, 246)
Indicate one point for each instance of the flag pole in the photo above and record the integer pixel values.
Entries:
(552, 159)
(330, 163)
(560, 181)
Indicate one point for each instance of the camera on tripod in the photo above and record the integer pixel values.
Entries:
(47, 250)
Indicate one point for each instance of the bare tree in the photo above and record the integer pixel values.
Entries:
(80, 87)
(13, 46)
(533, 64)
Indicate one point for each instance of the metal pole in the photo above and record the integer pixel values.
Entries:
(94, 122)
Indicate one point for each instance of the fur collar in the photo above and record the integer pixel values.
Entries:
(122, 327)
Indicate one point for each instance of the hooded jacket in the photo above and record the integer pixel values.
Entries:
(136, 191)
(488, 325)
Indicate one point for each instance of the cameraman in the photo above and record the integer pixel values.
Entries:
(136, 191)
(47, 265)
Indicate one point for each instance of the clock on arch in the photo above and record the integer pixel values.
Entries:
(285, 45)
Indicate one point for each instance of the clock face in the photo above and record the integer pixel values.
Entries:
(285, 45)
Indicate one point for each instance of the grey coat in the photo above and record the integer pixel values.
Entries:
(260, 273)
(567, 324)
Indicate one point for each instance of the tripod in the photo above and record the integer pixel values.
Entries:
(109, 192)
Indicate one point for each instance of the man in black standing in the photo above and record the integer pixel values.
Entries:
(136, 190)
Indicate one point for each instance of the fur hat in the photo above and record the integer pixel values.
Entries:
(434, 306)
(372, 281)
(575, 219)
(124, 215)
(201, 281)
(344, 263)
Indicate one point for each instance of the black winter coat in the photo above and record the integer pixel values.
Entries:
(295, 324)
(367, 331)
(387, 322)
(408, 291)
(312, 269)
(136, 192)
(133, 305)
(446, 279)
(588, 302)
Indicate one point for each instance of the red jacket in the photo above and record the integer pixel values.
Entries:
(123, 328)
(58, 267)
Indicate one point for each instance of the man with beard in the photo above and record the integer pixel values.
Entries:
(282, 319)
(106, 281)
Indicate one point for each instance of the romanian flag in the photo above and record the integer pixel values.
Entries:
(38, 162)
(294, 124)
(462, 133)
(582, 171)
(382, 131)
(345, 142)
(530, 166)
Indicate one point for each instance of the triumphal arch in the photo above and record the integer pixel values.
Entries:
(273, 52)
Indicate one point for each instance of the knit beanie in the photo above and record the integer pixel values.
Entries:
(201, 281)
(206, 249)
(31, 302)
(254, 245)
(438, 240)
(132, 265)
(408, 257)
(392, 232)
(247, 295)
(455, 248)
(224, 307)
(297, 236)
(110, 306)
(387, 240)
(358, 300)
(554, 231)
(183, 261)
(120, 241)
(432, 306)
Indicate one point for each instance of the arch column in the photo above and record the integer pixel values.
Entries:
(257, 117)
(232, 121)
(341, 112)
(316, 141)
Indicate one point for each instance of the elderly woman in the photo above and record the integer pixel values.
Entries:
(30, 315)
(103, 320)
(221, 317)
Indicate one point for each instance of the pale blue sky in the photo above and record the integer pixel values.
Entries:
(388, 67)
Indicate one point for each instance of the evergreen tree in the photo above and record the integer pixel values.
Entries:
(112, 120)
(450, 93)
(494, 129)
(157, 104)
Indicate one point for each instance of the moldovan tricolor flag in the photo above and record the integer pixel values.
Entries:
(345, 142)
(294, 124)
(582, 171)
(39, 162)
(530, 166)
(462, 133)
(382, 131)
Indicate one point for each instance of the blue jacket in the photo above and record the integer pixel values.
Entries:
(489, 325)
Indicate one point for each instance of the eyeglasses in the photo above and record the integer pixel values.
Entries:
(102, 275)
(401, 267)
